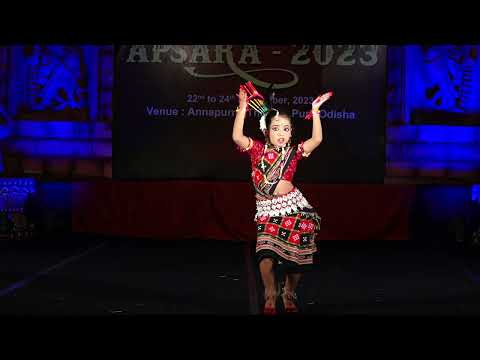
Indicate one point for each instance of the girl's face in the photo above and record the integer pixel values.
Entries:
(280, 131)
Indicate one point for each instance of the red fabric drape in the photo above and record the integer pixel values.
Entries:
(225, 210)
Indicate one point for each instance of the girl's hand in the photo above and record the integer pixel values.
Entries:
(320, 100)
(242, 98)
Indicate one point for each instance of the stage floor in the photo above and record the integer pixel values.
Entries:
(89, 275)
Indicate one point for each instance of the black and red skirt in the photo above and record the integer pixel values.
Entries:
(286, 230)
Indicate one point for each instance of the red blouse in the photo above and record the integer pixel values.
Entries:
(255, 150)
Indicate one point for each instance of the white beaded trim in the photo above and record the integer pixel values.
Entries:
(282, 205)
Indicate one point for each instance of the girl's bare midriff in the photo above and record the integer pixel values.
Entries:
(283, 187)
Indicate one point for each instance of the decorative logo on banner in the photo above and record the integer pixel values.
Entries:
(195, 59)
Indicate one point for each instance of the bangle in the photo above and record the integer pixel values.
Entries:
(316, 112)
(238, 109)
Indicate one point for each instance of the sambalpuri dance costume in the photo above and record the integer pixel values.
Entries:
(286, 224)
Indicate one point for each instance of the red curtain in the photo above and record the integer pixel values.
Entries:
(225, 210)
